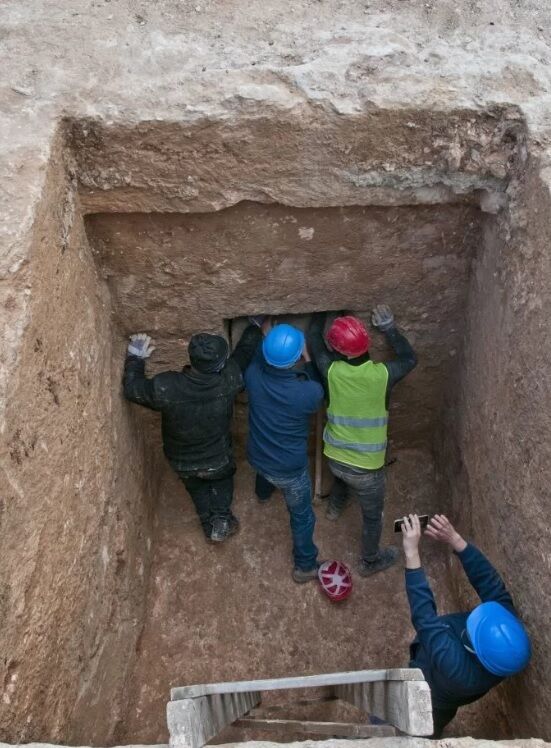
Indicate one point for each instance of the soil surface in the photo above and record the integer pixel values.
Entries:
(232, 612)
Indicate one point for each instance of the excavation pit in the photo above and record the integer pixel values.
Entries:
(170, 228)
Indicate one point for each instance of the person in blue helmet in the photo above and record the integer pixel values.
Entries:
(284, 392)
(462, 655)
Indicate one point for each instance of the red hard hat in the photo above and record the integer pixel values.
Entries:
(348, 336)
(336, 580)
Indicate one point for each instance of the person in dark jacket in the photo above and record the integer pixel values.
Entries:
(358, 394)
(282, 397)
(196, 406)
(462, 655)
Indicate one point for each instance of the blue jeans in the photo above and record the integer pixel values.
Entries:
(297, 492)
(369, 487)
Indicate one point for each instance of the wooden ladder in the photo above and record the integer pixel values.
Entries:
(397, 698)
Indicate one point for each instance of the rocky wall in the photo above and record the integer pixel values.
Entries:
(172, 275)
(308, 155)
(497, 453)
(75, 509)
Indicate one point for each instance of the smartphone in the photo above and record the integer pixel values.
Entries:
(423, 519)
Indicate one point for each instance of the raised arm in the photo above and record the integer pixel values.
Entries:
(247, 345)
(484, 578)
(406, 359)
(481, 574)
(440, 646)
(316, 344)
(136, 386)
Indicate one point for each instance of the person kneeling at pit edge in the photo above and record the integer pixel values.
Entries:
(196, 407)
(462, 655)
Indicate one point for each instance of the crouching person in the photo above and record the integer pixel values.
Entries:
(196, 406)
(462, 655)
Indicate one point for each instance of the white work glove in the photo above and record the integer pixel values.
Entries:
(382, 317)
(140, 345)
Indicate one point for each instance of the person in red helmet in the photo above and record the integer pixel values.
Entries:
(355, 437)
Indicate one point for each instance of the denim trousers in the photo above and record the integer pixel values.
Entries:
(297, 492)
(369, 487)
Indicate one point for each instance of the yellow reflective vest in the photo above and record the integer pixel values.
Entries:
(357, 418)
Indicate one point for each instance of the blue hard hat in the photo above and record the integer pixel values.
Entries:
(283, 345)
(499, 639)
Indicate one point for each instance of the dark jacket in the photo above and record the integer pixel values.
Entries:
(455, 676)
(323, 358)
(281, 402)
(196, 408)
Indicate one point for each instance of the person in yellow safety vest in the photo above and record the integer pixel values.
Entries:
(355, 437)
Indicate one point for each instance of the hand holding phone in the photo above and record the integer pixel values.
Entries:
(423, 519)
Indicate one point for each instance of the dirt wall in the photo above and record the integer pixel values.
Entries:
(172, 275)
(75, 518)
(499, 455)
(309, 155)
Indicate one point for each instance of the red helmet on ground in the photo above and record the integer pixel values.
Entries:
(336, 580)
(348, 336)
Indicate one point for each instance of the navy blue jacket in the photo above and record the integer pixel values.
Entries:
(455, 676)
(281, 402)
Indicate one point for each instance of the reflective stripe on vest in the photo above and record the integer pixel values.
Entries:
(357, 418)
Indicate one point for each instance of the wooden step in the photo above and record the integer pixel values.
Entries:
(332, 729)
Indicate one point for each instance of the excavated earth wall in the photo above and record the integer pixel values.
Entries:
(496, 463)
(76, 515)
(173, 274)
(398, 116)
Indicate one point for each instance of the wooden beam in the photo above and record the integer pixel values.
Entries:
(302, 681)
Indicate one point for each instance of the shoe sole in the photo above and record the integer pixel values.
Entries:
(304, 580)
(233, 531)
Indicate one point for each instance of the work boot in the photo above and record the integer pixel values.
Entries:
(334, 511)
(222, 528)
(385, 558)
(300, 576)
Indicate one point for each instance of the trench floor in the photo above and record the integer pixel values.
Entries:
(232, 612)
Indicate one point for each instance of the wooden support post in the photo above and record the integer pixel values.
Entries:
(318, 466)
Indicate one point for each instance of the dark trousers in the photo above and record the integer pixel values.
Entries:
(369, 487)
(297, 492)
(440, 718)
(211, 493)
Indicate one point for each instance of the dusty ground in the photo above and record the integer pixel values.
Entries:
(213, 613)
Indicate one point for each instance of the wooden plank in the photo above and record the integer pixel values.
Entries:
(303, 681)
(335, 729)
(193, 722)
(271, 708)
